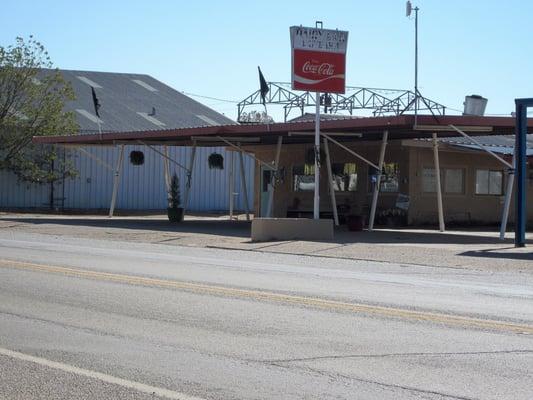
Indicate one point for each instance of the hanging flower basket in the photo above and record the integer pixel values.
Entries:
(216, 161)
(137, 157)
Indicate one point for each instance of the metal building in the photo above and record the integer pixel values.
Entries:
(132, 102)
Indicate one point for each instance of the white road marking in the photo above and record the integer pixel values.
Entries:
(141, 387)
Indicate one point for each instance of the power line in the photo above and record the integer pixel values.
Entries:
(210, 98)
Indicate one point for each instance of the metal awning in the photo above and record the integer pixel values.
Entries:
(369, 128)
(507, 151)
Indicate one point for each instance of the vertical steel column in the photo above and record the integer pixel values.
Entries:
(437, 180)
(244, 189)
(272, 177)
(508, 195)
(316, 202)
(231, 183)
(189, 178)
(331, 187)
(378, 181)
(166, 166)
(520, 168)
(116, 182)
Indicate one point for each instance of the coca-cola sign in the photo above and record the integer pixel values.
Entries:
(318, 69)
(318, 59)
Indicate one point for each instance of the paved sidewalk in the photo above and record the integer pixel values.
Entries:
(456, 249)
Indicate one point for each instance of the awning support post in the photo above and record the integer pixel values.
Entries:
(353, 153)
(273, 178)
(377, 185)
(116, 182)
(244, 189)
(162, 154)
(166, 167)
(95, 158)
(189, 178)
(238, 147)
(508, 195)
(481, 146)
(231, 183)
(331, 187)
(437, 180)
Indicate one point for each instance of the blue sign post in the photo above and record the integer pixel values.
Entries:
(520, 167)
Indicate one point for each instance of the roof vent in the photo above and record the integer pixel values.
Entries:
(475, 105)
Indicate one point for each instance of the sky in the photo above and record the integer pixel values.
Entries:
(213, 48)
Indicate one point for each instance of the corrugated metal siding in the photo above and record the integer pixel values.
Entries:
(141, 187)
(19, 194)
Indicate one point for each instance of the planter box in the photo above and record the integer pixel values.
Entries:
(265, 229)
(175, 214)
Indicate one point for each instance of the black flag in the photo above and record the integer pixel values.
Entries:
(264, 86)
(96, 103)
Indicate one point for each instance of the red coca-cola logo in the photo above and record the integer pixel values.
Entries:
(325, 69)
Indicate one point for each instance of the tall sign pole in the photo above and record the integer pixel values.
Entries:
(316, 200)
(408, 10)
(318, 65)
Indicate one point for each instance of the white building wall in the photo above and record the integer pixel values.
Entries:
(141, 187)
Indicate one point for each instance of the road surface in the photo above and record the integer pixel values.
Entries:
(91, 319)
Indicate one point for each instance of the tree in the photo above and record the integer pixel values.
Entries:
(260, 117)
(32, 98)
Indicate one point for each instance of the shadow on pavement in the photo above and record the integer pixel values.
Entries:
(242, 229)
(429, 237)
(497, 253)
(209, 227)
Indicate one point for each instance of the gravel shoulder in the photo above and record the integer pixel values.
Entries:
(467, 249)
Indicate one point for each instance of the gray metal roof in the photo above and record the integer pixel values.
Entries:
(503, 144)
(128, 100)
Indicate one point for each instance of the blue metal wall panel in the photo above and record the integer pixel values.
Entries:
(141, 187)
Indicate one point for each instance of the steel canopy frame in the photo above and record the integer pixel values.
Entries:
(381, 101)
(520, 167)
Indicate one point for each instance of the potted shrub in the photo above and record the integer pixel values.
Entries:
(175, 212)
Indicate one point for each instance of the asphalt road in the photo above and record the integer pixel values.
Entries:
(90, 319)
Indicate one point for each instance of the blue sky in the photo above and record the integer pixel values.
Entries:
(214, 48)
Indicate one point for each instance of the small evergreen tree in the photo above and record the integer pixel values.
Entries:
(174, 196)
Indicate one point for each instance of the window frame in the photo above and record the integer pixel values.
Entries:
(443, 180)
(489, 170)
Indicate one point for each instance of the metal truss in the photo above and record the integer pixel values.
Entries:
(380, 101)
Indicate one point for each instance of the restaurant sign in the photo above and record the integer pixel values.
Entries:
(318, 59)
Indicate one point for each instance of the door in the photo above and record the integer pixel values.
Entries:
(266, 177)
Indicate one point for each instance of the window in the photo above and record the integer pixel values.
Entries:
(489, 182)
(429, 183)
(452, 180)
(303, 177)
(344, 177)
(390, 180)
